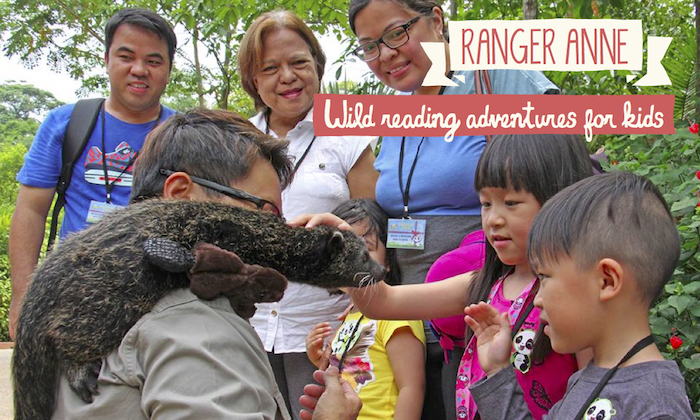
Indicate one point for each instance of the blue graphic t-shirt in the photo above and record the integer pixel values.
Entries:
(42, 163)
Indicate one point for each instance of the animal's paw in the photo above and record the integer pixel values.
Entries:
(82, 378)
(220, 272)
(168, 255)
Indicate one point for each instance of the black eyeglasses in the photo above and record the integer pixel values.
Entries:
(393, 38)
(260, 203)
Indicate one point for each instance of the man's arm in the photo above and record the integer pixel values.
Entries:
(26, 236)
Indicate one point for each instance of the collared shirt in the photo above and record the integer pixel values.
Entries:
(319, 185)
(187, 358)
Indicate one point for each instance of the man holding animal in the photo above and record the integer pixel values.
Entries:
(182, 357)
(189, 357)
(140, 46)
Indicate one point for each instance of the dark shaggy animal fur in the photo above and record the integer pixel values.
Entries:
(87, 293)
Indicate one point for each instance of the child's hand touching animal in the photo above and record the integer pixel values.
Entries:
(317, 353)
(492, 331)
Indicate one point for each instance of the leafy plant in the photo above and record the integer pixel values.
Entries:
(672, 163)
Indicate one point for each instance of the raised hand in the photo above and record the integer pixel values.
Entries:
(492, 331)
(315, 349)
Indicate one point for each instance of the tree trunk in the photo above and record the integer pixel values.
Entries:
(530, 9)
(198, 67)
(226, 72)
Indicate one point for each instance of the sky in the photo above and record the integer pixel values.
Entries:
(64, 88)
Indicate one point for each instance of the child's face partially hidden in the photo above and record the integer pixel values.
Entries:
(506, 216)
(569, 306)
(376, 248)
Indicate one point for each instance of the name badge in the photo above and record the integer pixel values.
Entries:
(98, 210)
(406, 233)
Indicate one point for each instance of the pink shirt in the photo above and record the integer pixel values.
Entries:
(543, 384)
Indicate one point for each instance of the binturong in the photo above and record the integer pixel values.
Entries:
(98, 283)
(90, 291)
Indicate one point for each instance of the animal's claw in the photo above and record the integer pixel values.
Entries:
(168, 255)
(82, 379)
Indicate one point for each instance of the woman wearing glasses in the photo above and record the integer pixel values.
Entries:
(281, 65)
(441, 191)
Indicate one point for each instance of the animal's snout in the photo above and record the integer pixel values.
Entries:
(378, 272)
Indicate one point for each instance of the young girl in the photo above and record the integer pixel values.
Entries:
(516, 175)
(389, 36)
(382, 360)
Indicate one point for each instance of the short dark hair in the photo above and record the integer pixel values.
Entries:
(146, 19)
(217, 145)
(364, 209)
(616, 215)
(423, 7)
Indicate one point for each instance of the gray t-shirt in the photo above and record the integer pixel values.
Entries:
(645, 391)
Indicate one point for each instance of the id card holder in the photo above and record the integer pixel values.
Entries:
(99, 210)
(406, 234)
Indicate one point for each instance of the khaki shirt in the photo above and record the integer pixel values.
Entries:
(186, 359)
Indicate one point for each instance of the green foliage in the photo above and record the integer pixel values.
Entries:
(69, 35)
(11, 159)
(21, 107)
(5, 294)
(6, 210)
(671, 162)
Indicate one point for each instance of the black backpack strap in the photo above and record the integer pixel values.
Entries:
(82, 122)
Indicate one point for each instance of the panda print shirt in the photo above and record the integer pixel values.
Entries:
(543, 384)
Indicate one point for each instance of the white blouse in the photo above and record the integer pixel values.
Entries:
(319, 185)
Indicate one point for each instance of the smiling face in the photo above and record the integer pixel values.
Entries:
(506, 216)
(139, 70)
(405, 67)
(287, 79)
(569, 306)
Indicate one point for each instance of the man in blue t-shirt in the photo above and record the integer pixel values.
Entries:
(140, 46)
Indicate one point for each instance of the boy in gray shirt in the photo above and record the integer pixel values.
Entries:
(603, 250)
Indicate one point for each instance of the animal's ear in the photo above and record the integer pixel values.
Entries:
(336, 241)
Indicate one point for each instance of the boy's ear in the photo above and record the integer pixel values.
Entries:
(610, 278)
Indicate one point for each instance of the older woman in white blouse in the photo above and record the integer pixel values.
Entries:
(281, 65)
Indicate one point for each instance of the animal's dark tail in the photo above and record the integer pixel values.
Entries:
(35, 374)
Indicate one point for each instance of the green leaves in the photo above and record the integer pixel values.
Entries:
(680, 303)
(671, 162)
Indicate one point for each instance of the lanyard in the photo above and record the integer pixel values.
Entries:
(303, 156)
(641, 344)
(521, 318)
(110, 185)
(405, 193)
(348, 342)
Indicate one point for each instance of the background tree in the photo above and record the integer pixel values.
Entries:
(68, 34)
(22, 107)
